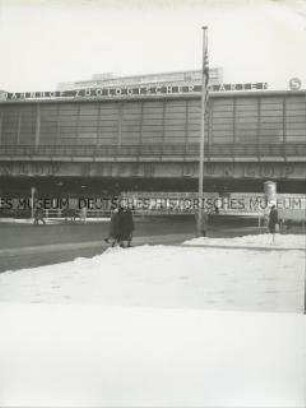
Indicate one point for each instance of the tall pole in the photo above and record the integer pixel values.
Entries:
(32, 202)
(305, 292)
(205, 77)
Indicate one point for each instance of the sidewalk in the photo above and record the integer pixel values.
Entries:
(177, 239)
(52, 221)
(51, 254)
(169, 239)
(271, 247)
(255, 242)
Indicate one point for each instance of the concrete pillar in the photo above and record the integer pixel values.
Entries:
(258, 128)
(120, 112)
(37, 130)
(1, 117)
(98, 123)
(19, 127)
(235, 141)
(284, 128)
(141, 123)
(186, 126)
(164, 123)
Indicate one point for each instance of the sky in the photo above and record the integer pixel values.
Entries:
(44, 42)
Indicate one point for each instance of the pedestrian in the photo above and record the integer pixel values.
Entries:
(131, 226)
(113, 233)
(83, 214)
(39, 216)
(203, 222)
(273, 224)
(126, 227)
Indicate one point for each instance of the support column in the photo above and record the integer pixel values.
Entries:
(208, 130)
(58, 128)
(164, 125)
(284, 129)
(186, 126)
(258, 142)
(1, 119)
(77, 141)
(38, 123)
(120, 110)
(19, 127)
(98, 123)
(235, 141)
(141, 123)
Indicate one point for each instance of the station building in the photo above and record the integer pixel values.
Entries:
(143, 133)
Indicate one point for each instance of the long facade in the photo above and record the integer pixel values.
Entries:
(153, 142)
(258, 119)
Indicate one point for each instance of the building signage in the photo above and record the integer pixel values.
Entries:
(130, 92)
(295, 84)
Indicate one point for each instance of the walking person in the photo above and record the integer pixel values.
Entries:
(39, 216)
(113, 233)
(126, 227)
(131, 226)
(273, 224)
(83, 214)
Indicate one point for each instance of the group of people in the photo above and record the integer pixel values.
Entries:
(273, 222)
(122, 224)
(121, 228)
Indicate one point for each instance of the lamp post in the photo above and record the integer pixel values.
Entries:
(204, 98)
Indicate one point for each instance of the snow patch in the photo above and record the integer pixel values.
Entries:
(168, 277)
(263, 241)
(90, 356)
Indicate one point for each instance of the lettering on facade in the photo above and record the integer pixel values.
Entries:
(29, 169)
(187, 170)
(115, 92)
(267, 170)
(295, 84)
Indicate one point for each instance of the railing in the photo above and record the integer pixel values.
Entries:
(164, 151)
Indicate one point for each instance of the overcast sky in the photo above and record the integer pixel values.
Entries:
(43, 42)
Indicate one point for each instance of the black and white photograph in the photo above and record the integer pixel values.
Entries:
(152, 203)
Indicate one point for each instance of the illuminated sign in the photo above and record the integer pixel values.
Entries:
(130, 92)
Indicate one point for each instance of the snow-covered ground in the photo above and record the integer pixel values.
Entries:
(263, 241)
(162, 326)
(93, 356)
(172, 276)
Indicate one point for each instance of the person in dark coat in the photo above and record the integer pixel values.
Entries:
(126, 227)
(39, 216)
(273, 221)
(113, 233)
